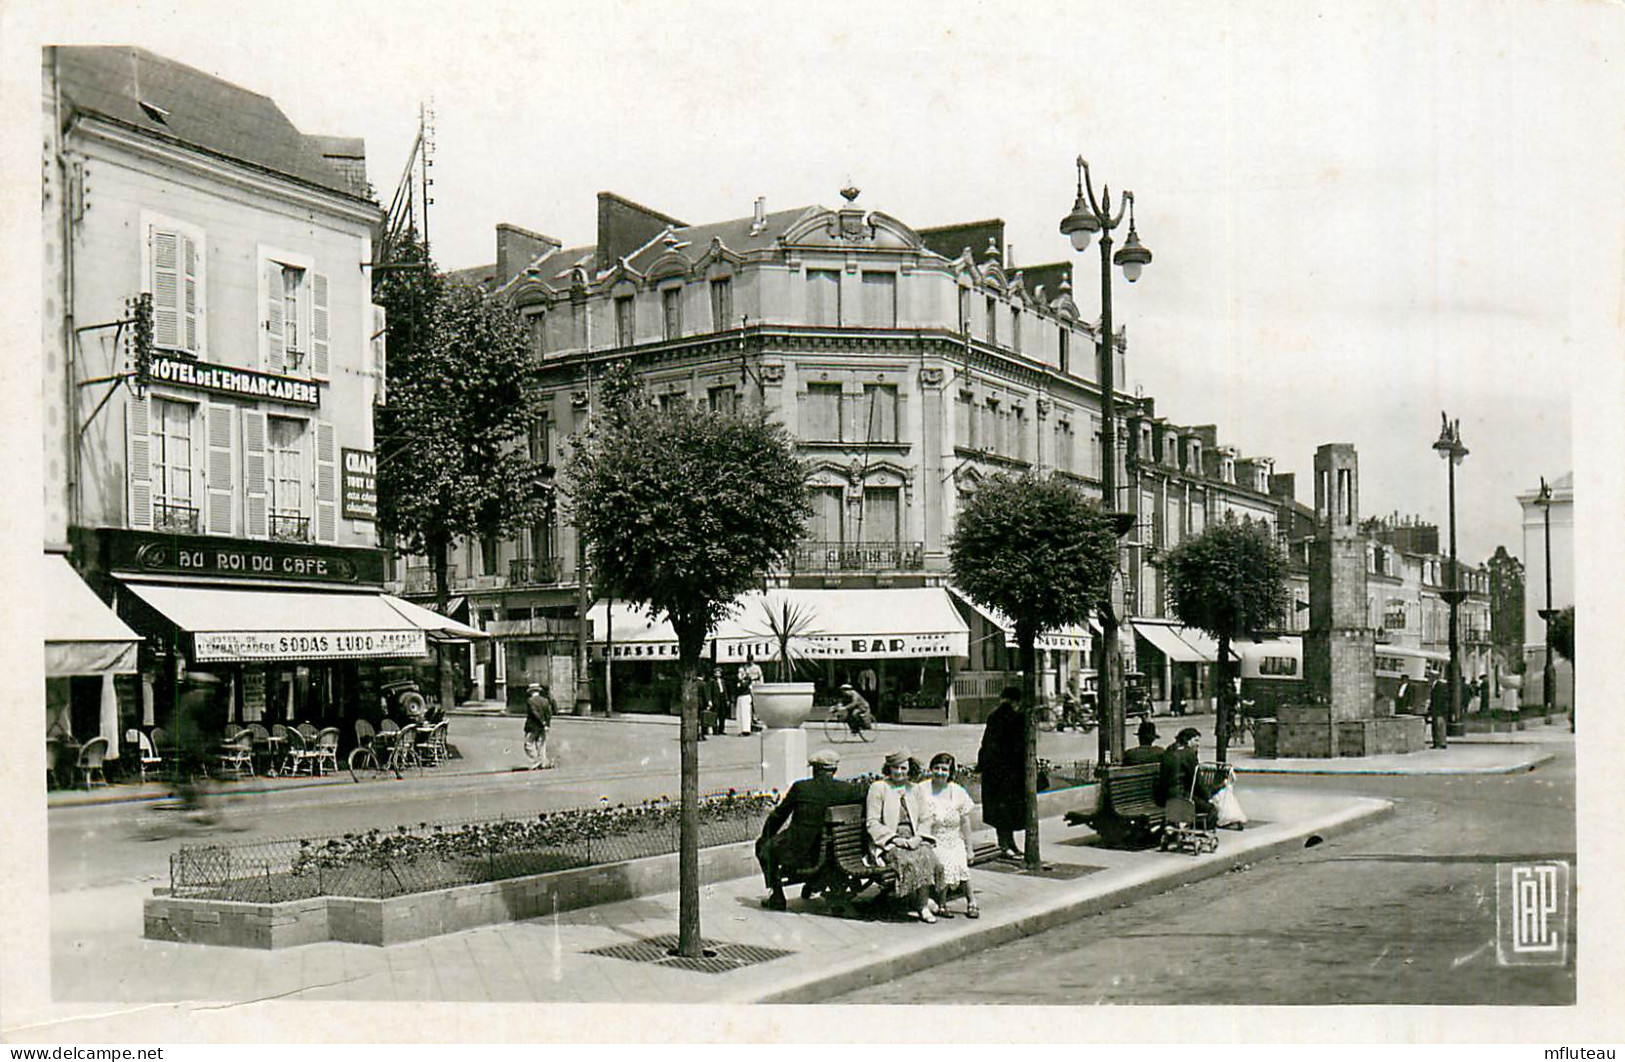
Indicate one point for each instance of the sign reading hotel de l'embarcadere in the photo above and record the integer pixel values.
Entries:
(183, 372)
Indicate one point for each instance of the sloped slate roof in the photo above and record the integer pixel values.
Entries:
(735, 235)
(200, 110)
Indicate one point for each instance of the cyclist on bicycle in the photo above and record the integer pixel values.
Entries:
(856, 710)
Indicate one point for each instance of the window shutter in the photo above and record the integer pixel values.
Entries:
(166, 289)
(326, 484)
(380, 350)
(191, 262)
(220, 477)
(318, 324)
(254, 471)
(138, 461)
(273, 318)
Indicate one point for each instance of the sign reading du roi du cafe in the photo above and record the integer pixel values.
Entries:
(195, 555)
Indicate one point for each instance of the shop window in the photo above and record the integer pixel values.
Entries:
(824, 297)
(671, 311)
(174, 501)
(880, 299)
(824, 412)
(722, 304)
(880, 412)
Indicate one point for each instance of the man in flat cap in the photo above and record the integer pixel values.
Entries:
(803, 806)
(1148, 750)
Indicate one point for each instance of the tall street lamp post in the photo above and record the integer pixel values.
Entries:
(1091, 215)
(1548, 671)
(1448, 446)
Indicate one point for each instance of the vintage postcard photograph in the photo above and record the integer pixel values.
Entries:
(740, 522)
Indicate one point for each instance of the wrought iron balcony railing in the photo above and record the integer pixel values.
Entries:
(290, 527)
(818, 556)
(536, 571)
(167, 516)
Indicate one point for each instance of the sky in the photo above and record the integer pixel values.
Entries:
(1361, 214)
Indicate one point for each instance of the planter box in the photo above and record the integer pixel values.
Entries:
(415, 916)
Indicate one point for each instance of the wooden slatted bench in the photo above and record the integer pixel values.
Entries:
(1128, 812)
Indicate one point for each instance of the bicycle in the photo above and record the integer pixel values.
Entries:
(837, 729)
(403, 758)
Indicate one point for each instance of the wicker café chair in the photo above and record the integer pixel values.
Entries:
(147, 757)
(327, 750)
(237, 755)
(90, 760)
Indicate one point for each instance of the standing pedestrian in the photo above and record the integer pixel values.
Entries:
(539, 710)
(749, 676)
(1002, 761)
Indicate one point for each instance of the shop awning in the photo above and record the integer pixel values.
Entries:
(1167, 642)
(230, 625)
(842, 624)
(82, 635)
(439, 628)
(1180, 644)
(1068, 638)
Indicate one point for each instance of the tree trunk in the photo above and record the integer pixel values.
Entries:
(442, 598)
(1029, 729)
(689, 942)
(1226, 705)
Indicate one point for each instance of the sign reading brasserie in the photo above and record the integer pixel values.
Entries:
(306, 645)
(183, 372)
(234, 558)
(360, 484)
(822, 647)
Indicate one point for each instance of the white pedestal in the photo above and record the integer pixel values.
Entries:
(784, 758)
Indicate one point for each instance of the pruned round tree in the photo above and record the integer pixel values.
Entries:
(1228, 581)
(1042, 553)
(684, 510)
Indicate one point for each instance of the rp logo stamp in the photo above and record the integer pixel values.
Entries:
(1532, 913)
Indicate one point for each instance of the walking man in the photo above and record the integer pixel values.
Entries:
(538, 717)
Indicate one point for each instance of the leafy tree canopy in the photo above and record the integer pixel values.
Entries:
(684, 509)
(452, 458)
(1560, 634)
(1229, 580)
(1036, 549)
(1506, 601)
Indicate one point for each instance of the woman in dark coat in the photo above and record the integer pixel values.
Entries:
(1002, 763)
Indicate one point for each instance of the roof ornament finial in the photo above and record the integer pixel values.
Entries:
(851, 191)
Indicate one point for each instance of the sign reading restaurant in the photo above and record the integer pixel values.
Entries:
(306, 645)
(222, 379)
(235, 558)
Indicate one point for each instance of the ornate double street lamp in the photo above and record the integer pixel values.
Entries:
(1448, 446)
(1091, 215)
(1548, 672)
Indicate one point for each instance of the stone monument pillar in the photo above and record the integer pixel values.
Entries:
(1338, 713)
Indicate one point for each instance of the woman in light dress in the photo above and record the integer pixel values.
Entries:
(899, 830)
(950, 808)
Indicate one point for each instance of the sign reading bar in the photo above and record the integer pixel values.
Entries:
(148, 551)
(183, 372)
(305, 645)
(360, 484)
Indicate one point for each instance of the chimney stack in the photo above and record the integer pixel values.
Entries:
(759, 218)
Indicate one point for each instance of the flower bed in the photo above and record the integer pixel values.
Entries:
(378, 864)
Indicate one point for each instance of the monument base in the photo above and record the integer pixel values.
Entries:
(1310, 732)
(784, 758)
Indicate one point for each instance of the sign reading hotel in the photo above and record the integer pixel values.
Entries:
(360, 487)
(306, 645)
(818, 647)
(222, 379)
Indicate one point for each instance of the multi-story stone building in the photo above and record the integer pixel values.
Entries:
(909, 364)
(216, 487)
(1534, 587)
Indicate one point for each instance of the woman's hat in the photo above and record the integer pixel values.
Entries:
(1187, 733)
(535, 687)
(897, 758)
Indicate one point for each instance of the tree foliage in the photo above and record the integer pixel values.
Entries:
(1228, 581)
(1042, 553)
(1506, 602)
(452, 457)
(1560, 634)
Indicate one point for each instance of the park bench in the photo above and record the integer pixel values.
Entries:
(843, 870)
(1128, 813)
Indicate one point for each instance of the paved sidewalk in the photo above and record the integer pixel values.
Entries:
(99, 956)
